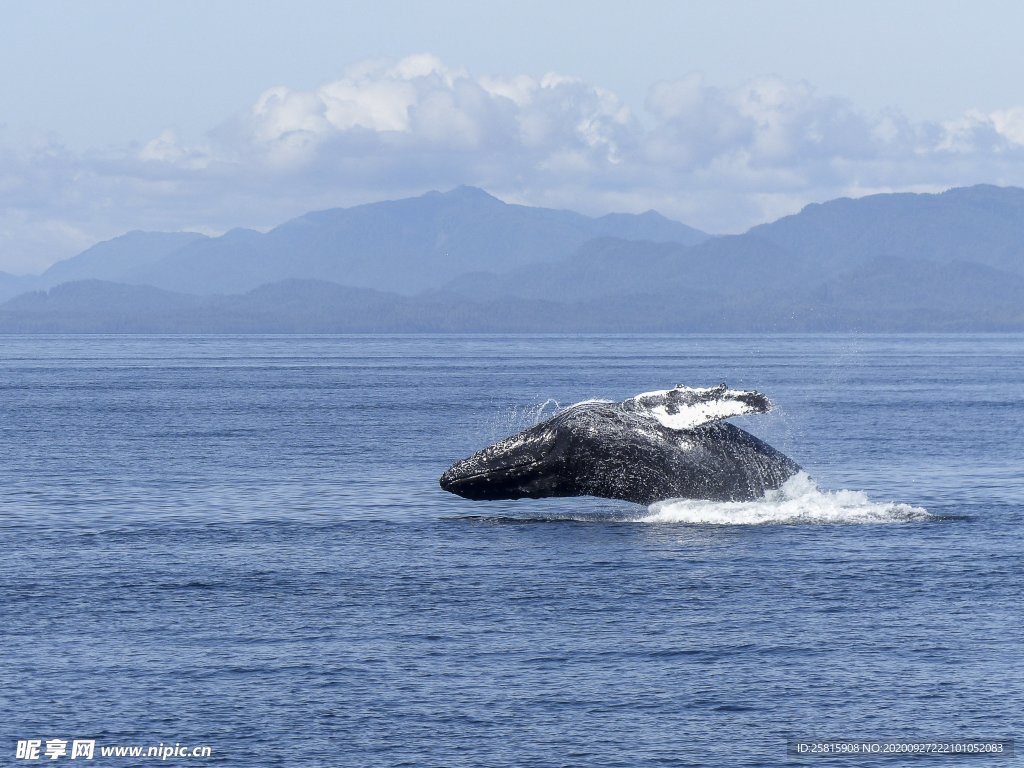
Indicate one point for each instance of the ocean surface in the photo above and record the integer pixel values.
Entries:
(240, 542)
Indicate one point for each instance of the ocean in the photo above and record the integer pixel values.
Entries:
(240, 543)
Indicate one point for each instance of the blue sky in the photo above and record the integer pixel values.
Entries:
(209, 115)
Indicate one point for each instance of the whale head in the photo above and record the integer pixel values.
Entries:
(589, 449)
(530, 464)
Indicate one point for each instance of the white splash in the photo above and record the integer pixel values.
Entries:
(798, 501)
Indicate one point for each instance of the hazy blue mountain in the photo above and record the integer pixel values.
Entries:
(91, 306)
(952, 260)
(117, 260)
(645, 226)
(897, 294)
(12, 285)
(981, 224)
(404, 246)
(885, 263)
(605, 267)
(291, 306)
(874, 297)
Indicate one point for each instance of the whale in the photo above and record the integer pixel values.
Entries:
(664, 444)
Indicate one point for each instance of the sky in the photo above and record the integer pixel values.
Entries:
(210, 115)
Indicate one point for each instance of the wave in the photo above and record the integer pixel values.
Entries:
(798, 501)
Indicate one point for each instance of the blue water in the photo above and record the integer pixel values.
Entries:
(240, 542)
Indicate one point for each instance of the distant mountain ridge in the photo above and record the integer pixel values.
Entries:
(982, 224)
(465, 261)
(977, 225)
(951, 261)
(128, 254)
(404, 246)
(310, 306)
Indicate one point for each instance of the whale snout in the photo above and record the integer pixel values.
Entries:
(511, 469)
(478, 479)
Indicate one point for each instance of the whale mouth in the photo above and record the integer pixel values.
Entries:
(483, 483)
(453, 476)
(528, 465)
(521, 466)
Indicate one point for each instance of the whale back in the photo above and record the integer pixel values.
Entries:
(615, 452)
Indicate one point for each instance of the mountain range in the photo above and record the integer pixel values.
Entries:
(464, 261)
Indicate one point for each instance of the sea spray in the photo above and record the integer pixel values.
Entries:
(508, 421)
(798, 501)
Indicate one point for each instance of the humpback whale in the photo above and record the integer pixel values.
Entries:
(658, 445)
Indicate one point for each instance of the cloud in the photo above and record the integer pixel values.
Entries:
(719, 158)
(419, 107)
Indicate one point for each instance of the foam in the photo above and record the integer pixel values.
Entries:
(798, 501)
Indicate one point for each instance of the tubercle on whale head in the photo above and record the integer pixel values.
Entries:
(526, 465)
